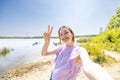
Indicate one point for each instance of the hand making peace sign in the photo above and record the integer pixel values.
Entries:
(47, 34)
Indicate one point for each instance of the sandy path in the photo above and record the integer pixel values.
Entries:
(114, 69)
(113, 54)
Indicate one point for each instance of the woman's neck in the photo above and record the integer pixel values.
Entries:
(70, 44)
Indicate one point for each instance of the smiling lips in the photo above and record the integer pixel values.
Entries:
(65, 39)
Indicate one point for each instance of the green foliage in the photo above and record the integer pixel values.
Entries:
(4, 52)
(100, 59)
(115, 21)
(110, 39)
(93, 48)
(95, 51)
(83, 40)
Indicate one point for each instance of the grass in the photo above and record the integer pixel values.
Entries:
(4, 52)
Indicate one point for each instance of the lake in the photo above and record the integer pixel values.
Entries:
(23, 51)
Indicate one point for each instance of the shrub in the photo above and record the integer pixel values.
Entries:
(4, 51)
(95, 51)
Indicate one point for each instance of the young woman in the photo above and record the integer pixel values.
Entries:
(70, 58)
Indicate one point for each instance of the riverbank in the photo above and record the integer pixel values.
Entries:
(30, 71)
(41, 69)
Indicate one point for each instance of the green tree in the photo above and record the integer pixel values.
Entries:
(115, 21)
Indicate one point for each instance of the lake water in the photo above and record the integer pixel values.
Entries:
(23, 51)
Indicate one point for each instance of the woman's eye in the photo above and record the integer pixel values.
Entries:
(60, 34)
(66, 32)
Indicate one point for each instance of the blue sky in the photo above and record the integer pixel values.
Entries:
(31, 17)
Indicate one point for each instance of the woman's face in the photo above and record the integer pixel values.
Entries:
(65, 36)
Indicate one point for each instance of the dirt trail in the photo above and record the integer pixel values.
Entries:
(113, 54)
(114, 69)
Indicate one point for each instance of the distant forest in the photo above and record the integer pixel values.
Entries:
(37, 37)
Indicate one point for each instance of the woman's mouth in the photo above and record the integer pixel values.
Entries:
(65, 39)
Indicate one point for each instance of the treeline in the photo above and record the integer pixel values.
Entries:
(37, 37)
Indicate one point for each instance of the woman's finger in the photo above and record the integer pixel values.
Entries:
(48, 28)
(51, 30)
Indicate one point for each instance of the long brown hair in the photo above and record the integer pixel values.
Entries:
(67, 27)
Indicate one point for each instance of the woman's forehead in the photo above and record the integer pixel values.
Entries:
(63, 30)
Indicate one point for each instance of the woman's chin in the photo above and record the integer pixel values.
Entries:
(68, 43)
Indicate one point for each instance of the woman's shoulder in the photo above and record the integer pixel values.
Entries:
(80, 48)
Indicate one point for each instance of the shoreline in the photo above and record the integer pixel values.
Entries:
(41, 70)
(35, 65)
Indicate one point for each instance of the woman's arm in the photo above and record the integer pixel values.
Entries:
(47, 36)
(45, 51)
(92, 70)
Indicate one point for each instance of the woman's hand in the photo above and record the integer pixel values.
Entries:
(47, 34)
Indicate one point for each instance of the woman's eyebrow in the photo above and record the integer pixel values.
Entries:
(66, 30)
